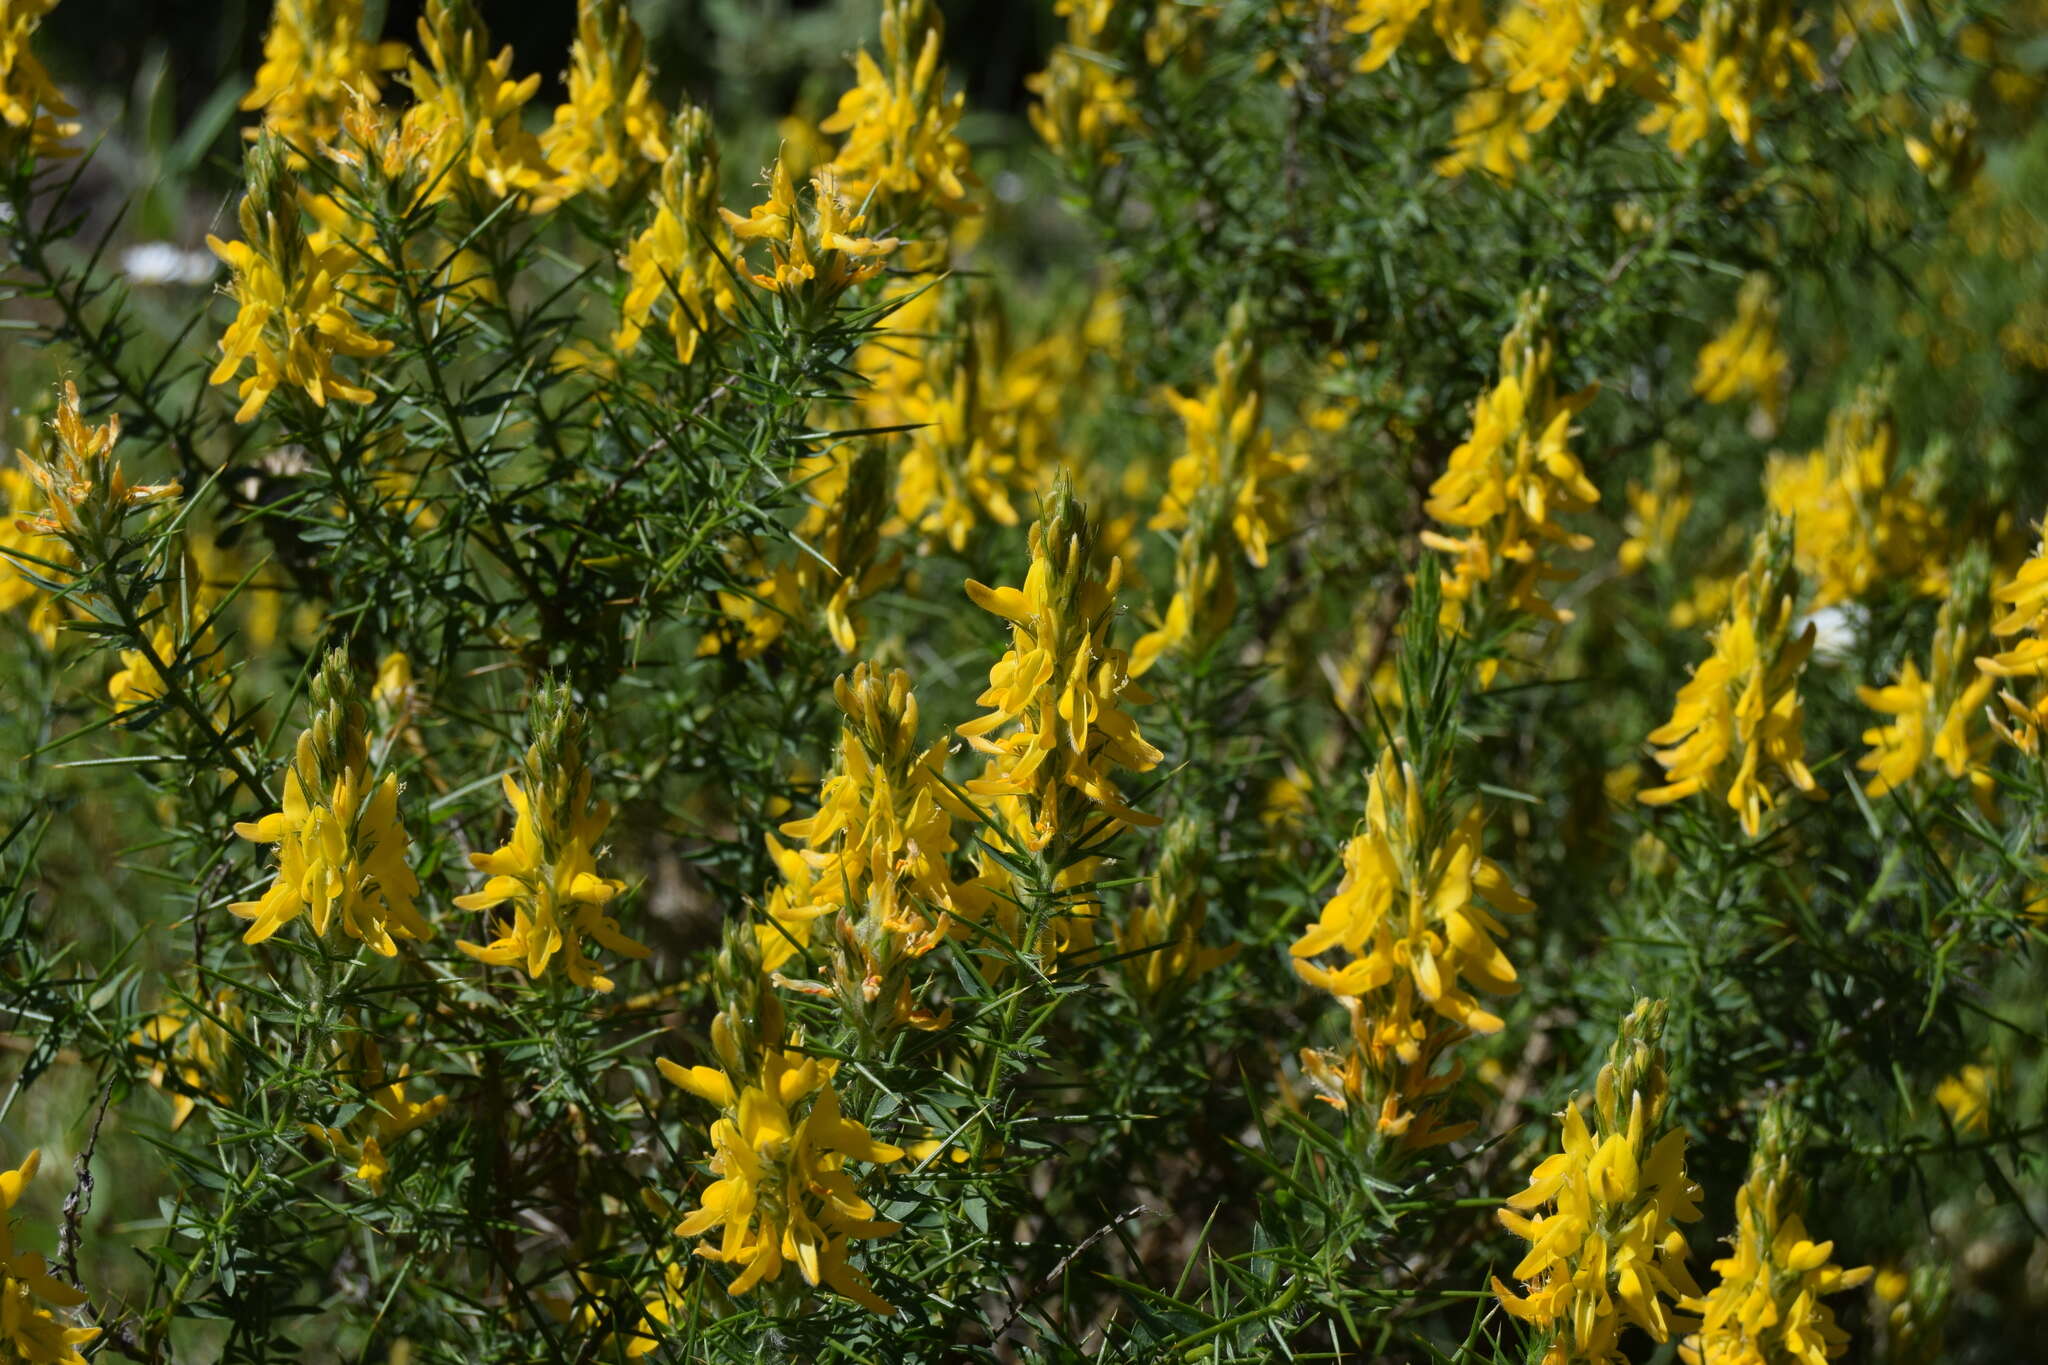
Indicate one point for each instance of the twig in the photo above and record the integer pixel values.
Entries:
(1053, 1275)
(79, 1202)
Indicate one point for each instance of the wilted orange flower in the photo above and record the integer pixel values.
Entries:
(85, 493)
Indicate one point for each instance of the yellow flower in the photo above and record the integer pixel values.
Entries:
(472, 109)
(341, 849)
(1583, 50)
(1056, 722)
(385, 1113)
(86, 496)
(902, 147)
(1767, 1307)
(316, 62)
(1601, 1217)
(876, 853)
(1856, 526)
(1415, 916)
(395, 692)
(1536, 58)
(609, 134)
(1921, 727)
(20, 550)
(1204, 600)
(30, 106)
(548, 870)
(816, 255)
(1745, 51)
(138, 682)
(191, 1046)
(1507, 484)
(1739, 716)
(1744, 359)
(1228, 449)
(835, 566)
(2024, 631)
(783, 1196)
(1489, 130)
(1460, 24)
(29, 1332)
(1160, 940)
(1967, 1098)
(291, 296)
(1950, 155)
(672, 268)
(1656, 514)
(792, 906)
(1084, 102)
(983, 414)
(180, 642)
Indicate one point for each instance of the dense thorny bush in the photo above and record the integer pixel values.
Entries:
(1381, 697)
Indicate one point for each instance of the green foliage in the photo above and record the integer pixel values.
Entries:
(524, 549)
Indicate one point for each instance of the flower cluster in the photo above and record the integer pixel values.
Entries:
(1085, 99)
(1767, 1307)
(191, 1048)
(1220, 486)
(873, 858)
(383, 1113)
(1056, 724)
(783, 1196)
(341, 850)
(1857, 524)
(1535, 59)
(1601, 1217)
(902, 149)
(1507, 484)
(2023, 629)
(1744, 359)
(292, 295)
(609, 136)
(1227, 448)
(1416, 923)
(1934, 715)
(1459, 24)
(317, 61)
(982, 412)
(468, 106)
(1738, 719)
(1657, 513)
(673, 272)
(814, 247)
(27, 560)
(1160, 940)
(547, 873)
(1746, 51)
(85, 495)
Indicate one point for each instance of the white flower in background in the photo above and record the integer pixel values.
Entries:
(167, 263)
